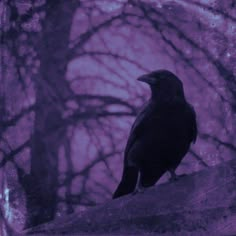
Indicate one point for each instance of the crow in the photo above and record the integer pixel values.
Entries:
(160, 136)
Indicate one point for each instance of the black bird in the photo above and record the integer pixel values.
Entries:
(161, 134)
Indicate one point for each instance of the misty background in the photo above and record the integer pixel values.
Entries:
(69, 94)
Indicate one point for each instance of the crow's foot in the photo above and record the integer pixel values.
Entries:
(175, 177)
(139, 190)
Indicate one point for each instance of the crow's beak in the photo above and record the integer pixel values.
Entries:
(147, 79)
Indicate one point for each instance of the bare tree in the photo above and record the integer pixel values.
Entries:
(69, 92)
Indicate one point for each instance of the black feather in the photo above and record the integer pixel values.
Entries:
(161, 134)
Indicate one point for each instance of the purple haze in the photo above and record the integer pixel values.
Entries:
(96, 93)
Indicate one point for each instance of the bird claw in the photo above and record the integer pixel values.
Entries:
(138, 190)
(173, 178)
(176, 177)
(182, 175)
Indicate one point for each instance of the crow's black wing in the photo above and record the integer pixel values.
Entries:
(130, 170)
(139, 127)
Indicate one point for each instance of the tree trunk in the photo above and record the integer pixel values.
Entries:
(49, 132)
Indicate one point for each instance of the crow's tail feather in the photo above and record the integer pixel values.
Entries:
(128, 182)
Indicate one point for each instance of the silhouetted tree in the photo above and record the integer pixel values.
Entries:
(68, 93)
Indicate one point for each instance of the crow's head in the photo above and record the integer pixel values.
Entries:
(164, 84)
